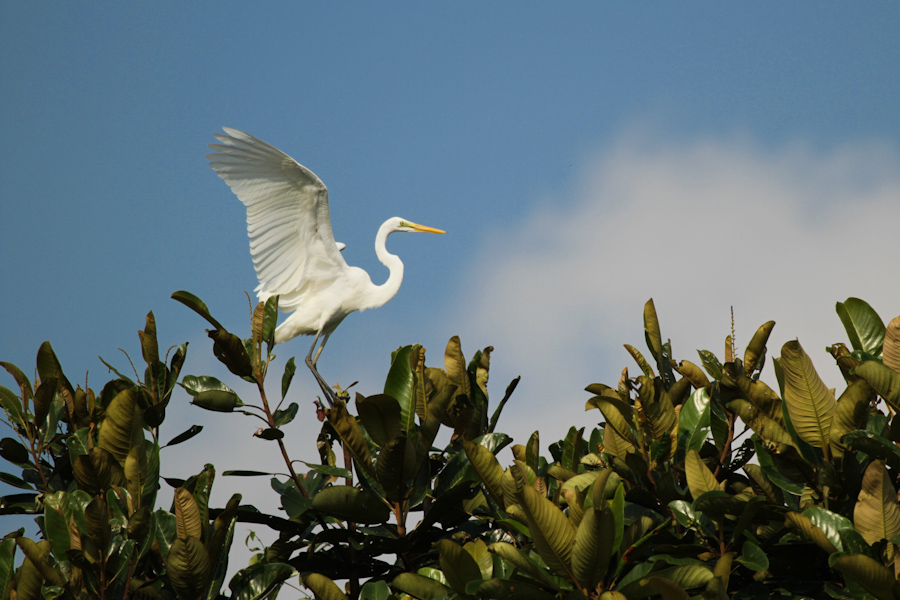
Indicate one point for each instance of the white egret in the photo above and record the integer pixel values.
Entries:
(293, 248)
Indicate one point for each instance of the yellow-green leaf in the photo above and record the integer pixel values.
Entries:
(188, 567)
(699, 478)
(118, 427)
(872, 575)
(457, 565)
(187, 515)
(488, 469)
(350, 433)
(419, 586)
(323, 588)
(756, 349)
(810, 403)
(885, 381)
(816, 535)
(551, 530)
(890, 356)
(593, 546)
(877, 515)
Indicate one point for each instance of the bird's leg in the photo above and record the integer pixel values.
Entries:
(330, 396)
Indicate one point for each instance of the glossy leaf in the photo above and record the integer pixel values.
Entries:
(285, 416)
(693, 421)
(400, 385)
(810, 404)
(863, 325)
(810, 531)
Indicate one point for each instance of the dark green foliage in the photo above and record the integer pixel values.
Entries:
(708, 485)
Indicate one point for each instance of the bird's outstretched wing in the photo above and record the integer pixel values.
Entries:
(288, 223)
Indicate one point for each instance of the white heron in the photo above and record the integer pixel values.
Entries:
(293, 247)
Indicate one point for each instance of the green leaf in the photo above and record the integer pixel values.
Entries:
(323, 588)
(693, 422)
(830, 523)
(7, 565)
(753, 557)
(863, 325)
(810, 404)
(521, 561)
(194, 385)
(259, 580)
(457, 565)
(375, 590)
(185, 436)
(12, 405)
(188, 567)
(197, 305)
(711, 364)
(381, 417)
(507, 589)
(283, 417)
(15, 482)
(350, 504)
(217, 401)
(329, 470)
(289, 369)
(400, 384)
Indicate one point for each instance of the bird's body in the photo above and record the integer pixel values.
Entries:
(293, 248)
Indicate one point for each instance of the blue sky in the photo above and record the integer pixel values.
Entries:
(583, 158)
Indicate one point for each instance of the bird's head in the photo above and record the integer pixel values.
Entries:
(399, 224)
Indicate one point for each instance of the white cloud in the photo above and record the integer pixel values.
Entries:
(777, 233)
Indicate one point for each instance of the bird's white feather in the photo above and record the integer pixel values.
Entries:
(291, 241)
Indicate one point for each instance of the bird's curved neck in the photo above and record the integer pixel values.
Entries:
(389, 288)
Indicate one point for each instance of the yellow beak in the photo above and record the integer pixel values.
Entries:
(425, 229)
